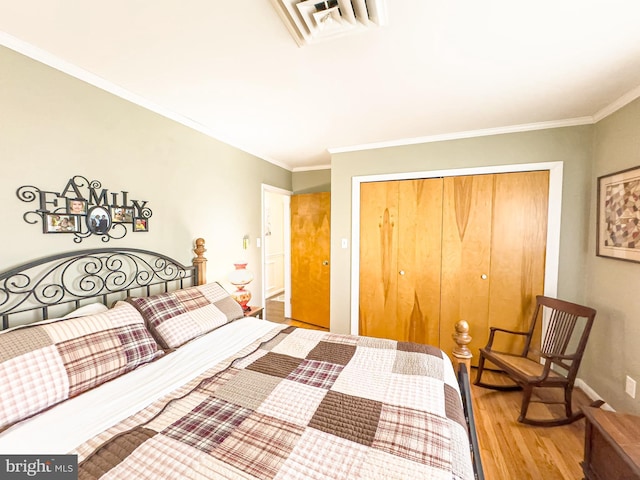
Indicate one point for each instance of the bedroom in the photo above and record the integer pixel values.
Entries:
(55, 126)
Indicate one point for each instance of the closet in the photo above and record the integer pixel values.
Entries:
(437, 250)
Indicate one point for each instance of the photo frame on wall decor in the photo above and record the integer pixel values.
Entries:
(56, 223)
(122, 215)
(98, 220)
(77, 206)
(141, 225)
(618, 215)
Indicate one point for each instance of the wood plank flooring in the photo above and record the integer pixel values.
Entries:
(511, 450)
(274, 311)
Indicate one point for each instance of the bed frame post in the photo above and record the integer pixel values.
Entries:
(462, 354)
(200, 262)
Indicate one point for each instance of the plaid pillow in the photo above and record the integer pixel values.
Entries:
(176, 317)
(46, 363)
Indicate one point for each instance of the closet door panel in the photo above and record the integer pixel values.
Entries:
(466, 258)
(419, 260)
(519, 231)
(378, 259)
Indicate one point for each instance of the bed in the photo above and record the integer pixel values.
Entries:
(130, 362)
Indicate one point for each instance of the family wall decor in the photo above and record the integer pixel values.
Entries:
(83, 208)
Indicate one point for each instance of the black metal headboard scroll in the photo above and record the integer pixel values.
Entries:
(55, 285)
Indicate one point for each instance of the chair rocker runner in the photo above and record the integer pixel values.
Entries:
(550, 366)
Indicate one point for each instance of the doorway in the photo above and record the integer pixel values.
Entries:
(276, 251)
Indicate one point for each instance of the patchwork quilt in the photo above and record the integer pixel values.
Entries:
(298, 404)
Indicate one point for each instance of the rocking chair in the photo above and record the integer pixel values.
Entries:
(549, 367)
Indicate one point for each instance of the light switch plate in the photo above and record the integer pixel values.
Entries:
(630, 387)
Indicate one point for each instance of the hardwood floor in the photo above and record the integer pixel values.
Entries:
(274, 311)
(510, 450)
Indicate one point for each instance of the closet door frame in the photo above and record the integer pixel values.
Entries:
(553, 219)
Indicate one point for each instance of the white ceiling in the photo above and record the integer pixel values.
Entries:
(438, 69)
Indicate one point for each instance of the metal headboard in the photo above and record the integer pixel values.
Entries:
(54, 285)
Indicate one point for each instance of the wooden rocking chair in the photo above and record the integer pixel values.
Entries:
(550, 366)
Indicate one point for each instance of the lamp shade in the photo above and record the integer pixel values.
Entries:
(240, 276)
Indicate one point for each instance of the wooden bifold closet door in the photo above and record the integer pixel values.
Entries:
(434, 251)
(400, 287)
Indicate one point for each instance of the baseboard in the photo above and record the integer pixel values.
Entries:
(591, 393)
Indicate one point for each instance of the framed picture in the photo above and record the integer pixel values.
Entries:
(141, 225)
(619, 215)
(98, 220)
(122, 215)
(77, 206)
(61, 223)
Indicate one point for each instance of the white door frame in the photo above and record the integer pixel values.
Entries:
(553, 219)
(286, 227)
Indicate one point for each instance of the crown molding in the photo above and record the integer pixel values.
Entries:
(315, 167)
(63, 66)
(623, 101)
(467, 134)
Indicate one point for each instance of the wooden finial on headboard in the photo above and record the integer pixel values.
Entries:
(200, 262)
(462, 354)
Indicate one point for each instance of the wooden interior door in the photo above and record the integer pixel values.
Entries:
(310, 255)
(466, 258)
(518, 248)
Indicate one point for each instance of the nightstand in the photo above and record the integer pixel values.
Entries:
(254, 312)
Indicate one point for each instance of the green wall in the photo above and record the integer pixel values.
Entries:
(54, 126)
(613, 286)
(311, 181)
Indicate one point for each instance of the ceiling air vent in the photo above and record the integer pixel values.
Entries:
(312, 20)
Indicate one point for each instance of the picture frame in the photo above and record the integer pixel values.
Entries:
(99, 220)
(122, 214)
(77, 206)
(618, 215)
(141, 225)
(61, 223)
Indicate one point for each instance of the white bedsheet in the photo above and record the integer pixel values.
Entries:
(67, 425)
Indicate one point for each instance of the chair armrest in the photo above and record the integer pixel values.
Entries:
(556, 356)
(515, 332)
(550, 359)
(493, 330)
